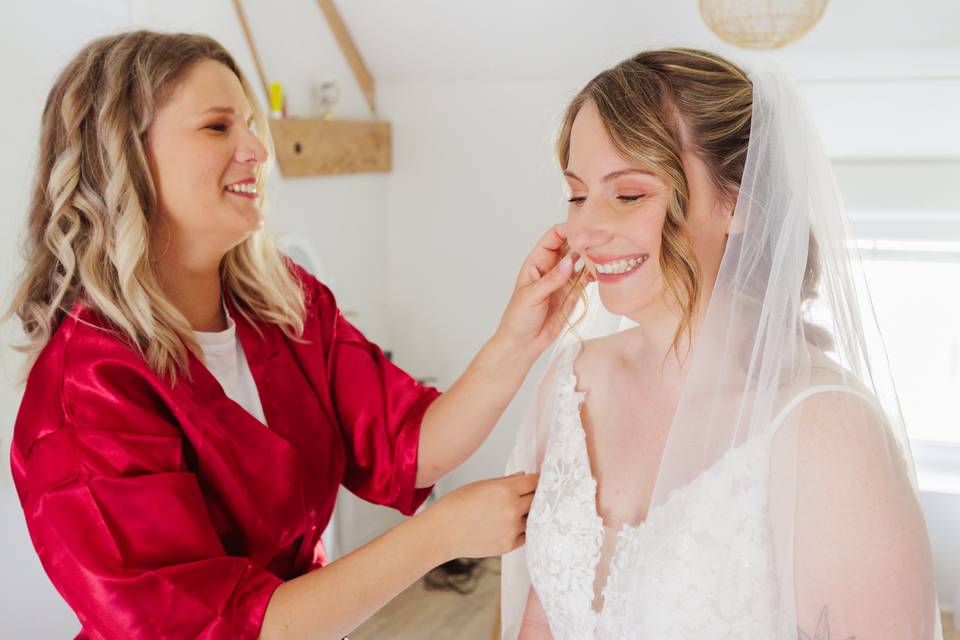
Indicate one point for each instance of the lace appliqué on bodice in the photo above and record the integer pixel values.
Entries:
(700, 566)
(564, 532)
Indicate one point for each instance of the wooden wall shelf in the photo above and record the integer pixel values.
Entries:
(315, 146)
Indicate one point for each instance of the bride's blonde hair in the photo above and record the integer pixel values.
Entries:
(94, 201)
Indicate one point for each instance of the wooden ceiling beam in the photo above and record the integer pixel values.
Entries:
(350, 51)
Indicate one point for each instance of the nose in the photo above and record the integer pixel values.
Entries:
(588, 227)
(251, 150)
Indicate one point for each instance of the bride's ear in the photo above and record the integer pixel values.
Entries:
(729, 206)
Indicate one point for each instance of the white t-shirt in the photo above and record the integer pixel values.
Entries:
(226, 361)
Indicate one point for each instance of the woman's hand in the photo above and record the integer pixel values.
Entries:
(485, 518)
(543, 295)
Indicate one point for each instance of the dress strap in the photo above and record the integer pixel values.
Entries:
(812, 391)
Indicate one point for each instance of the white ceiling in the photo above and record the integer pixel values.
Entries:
(421, 40)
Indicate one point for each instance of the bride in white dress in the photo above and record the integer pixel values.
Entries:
(720, 447)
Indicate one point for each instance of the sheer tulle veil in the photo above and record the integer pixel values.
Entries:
(764, 345)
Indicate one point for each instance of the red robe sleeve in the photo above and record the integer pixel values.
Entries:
(118, 520)
(379, 408)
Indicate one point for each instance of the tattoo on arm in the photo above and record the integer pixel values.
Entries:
(823, 629)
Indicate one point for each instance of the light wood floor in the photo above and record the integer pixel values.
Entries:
(419, 614)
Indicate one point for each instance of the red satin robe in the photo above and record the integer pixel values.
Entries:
(171, 512)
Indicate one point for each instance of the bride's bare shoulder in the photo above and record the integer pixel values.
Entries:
(598, 359)
(842, 421)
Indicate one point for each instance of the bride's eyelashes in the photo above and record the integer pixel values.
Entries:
(580, 199)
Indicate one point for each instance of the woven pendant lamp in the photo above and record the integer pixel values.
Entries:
(761, 24)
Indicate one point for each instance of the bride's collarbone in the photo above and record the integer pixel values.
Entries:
(625, 393)
(615, 361)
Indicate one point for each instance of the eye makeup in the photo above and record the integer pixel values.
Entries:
(626, 198)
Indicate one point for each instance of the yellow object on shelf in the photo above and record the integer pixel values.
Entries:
(276, 100)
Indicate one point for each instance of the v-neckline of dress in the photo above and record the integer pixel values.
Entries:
(579, 397)
(626, 529)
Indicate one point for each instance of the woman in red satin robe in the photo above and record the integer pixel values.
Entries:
(162, 498)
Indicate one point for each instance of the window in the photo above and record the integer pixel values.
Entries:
(915, 286)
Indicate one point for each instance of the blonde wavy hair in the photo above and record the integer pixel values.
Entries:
(94, 202)
(656, 105)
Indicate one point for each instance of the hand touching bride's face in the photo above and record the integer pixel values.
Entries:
(616, 218)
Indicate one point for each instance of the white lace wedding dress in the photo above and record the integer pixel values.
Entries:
(700, 566)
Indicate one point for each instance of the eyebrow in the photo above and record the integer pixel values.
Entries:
(227, 110)
(614, 175)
